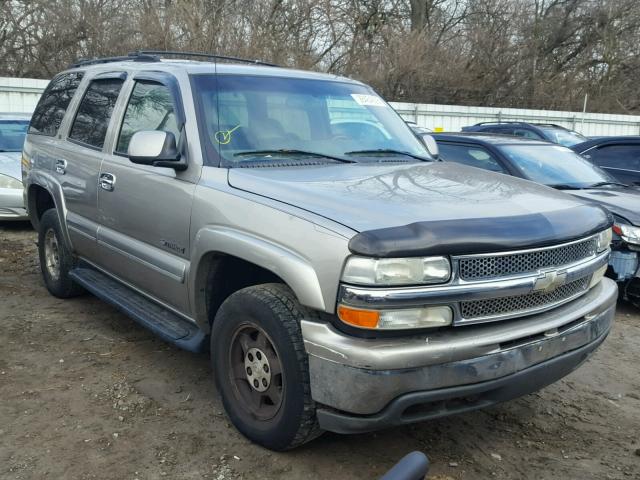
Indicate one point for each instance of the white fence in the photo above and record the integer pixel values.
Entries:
(22, 94)
(452, 118)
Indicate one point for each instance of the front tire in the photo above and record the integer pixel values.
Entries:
(56, 261)
(261, 367)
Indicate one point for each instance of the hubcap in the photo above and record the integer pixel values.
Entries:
(52, 254)
(256, 366)
(256, 372)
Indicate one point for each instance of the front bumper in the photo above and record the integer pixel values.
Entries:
(12, 205)
(367, 384)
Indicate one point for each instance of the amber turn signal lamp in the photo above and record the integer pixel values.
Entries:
(358, 318)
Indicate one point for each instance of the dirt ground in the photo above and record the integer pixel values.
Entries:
(85, 393)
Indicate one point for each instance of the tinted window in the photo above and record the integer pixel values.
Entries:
(616, 156)
(150, 108)
(94, 112)
(471, 155)
(53, 104)
(12, 133)
(521, 132)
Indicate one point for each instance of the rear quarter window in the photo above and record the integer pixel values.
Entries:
(53, 104)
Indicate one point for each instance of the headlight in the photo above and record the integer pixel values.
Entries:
(604, 240)
(396, 271)
(628, 233)
(9, 182)
(426, 317)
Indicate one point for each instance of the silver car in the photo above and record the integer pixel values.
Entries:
(13, 129)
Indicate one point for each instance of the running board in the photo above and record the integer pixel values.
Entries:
(162, 322)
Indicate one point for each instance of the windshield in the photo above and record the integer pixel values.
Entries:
(554, 165)
(12, 133)
(249, 119)
(563, 137)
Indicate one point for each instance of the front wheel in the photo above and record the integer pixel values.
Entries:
(261, 367)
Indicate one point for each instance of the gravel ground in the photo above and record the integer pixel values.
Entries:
(87, 394)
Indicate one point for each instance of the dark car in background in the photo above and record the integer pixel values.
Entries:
(561, 168)
(535, 131)
(619, 156)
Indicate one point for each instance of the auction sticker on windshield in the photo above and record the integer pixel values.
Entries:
(368, 100)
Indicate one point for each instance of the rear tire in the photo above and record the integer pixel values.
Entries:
(261, 367)
(56, 261)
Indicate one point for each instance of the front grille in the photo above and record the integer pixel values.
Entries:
(522, 303)
(485, 267)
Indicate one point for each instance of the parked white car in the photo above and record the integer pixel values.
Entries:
(13, 129)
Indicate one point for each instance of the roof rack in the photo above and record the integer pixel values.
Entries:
(499, 122)
(132, 57)
(172, 53)
(155, 55)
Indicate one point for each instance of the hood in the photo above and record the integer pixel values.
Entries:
(427, 207)
(10, 164)
(623, 202)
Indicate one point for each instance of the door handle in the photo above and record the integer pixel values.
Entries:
(107, 181)
(61, 166)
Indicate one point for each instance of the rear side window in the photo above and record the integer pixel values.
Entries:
(92, 119)
(471, 155)
(53, 104)
(150, 108)
(521, 132)
(625, 157)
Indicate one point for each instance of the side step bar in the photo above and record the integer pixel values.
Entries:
(167, 325)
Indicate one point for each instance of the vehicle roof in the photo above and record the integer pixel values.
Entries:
(521, 123)
(15, 116)
(488, 138)
(580, 147)
(193, 67)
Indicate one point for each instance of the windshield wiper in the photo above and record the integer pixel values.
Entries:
(390, 151)
(287, 152)
(564, 186)
(602, 184)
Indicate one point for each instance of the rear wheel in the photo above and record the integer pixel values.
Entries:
(261, 367)
(56, 261)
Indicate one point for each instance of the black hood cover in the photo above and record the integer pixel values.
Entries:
(454, 237)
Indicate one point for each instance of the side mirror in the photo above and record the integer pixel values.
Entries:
(432, 146)
(156, 148)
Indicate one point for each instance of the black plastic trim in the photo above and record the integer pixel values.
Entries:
(482, 235)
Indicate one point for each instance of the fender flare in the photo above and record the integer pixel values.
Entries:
(295, 270)
(45, 180)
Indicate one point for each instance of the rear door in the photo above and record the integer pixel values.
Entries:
(144, 211)
(620, 160)
(77, 162)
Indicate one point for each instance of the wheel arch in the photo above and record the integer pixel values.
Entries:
(227, 260)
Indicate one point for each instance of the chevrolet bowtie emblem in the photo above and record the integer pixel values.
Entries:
(549, 281)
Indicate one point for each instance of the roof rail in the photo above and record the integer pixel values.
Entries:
(498, 122)
(132, 57)
(172, 53)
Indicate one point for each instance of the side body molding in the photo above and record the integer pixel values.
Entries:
(295, 270)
